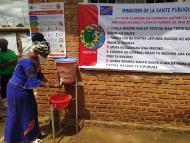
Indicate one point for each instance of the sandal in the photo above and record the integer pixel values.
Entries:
(37, 141)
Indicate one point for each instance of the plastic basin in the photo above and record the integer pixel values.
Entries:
(60, 100)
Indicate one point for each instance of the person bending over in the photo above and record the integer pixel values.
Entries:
(22, 117)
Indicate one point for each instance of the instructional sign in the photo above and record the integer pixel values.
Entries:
(48, 18)
(139, 37)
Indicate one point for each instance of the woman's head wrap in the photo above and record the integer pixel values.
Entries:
(41, 47)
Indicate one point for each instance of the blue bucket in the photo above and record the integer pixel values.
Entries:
(65, 60)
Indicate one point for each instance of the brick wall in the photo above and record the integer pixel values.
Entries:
(148, 98)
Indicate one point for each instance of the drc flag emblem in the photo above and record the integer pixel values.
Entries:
(106, 10)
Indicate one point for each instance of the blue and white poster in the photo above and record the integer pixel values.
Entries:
(48, 18)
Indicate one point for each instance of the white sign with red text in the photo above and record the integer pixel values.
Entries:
(139, 37)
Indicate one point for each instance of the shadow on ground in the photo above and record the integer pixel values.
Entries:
(63, 134)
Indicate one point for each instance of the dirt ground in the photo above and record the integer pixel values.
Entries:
(116, 135)
(97, 134)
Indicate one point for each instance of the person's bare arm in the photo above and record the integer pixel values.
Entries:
(11, 62)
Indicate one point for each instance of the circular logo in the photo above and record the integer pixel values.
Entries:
(92, 36)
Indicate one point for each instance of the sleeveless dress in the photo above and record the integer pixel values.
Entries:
(22, 116)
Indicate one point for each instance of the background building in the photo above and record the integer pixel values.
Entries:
(122, 96)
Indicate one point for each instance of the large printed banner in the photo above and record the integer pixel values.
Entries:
(139, 37)
(48, 18)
